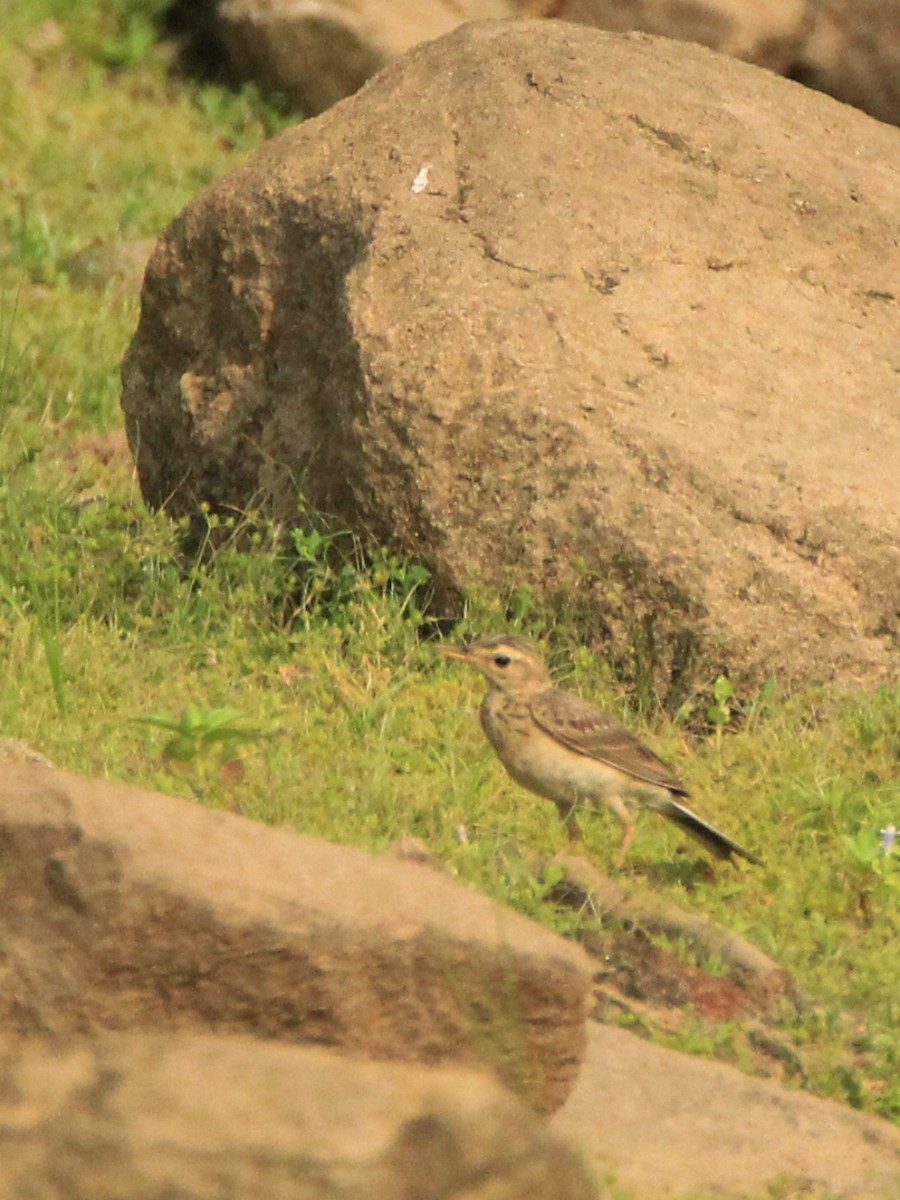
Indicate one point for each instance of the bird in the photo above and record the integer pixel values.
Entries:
(559, 746)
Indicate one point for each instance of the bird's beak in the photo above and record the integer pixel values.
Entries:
(454, 651)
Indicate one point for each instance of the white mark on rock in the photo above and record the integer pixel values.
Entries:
(420, 183)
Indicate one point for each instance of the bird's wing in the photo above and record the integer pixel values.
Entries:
(590, 731)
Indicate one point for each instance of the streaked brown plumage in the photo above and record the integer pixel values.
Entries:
(561, 747)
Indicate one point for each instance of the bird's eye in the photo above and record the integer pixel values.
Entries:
(502, 660)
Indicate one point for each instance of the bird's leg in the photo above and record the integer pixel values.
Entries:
(571, 821)
(627, 839)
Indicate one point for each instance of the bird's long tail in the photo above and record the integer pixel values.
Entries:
(717, 843)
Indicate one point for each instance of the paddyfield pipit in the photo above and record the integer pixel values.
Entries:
(558, 745)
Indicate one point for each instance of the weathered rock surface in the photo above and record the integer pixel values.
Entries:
(671, 1126)
(609, 318)
(315, 53)
(192, 1115)
(129, 910)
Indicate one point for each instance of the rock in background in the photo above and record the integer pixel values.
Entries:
(852, 51)
(314, 53)
(847, 48)
(609, 318)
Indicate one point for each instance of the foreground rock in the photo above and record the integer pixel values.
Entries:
(670, 1126)
(608, 318)
(188, 1115)
(123, 909)
(132, 911)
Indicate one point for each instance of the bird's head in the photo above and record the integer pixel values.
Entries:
(508, 663)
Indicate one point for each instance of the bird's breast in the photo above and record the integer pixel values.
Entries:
(538, 761)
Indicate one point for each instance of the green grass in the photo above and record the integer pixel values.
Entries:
(295, 682)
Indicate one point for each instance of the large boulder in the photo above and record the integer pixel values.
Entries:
(198, 1117)
(608, 318)
(122, 909)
